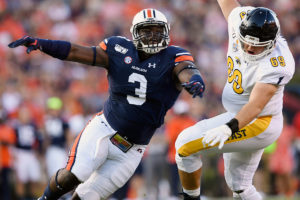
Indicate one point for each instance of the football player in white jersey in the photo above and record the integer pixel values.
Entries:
(259, 65)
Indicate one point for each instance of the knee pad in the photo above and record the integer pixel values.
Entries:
(249, 193)
(189, 163)
(87, 193)
(96, 187)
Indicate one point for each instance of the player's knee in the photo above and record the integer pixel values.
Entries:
(96, 187)
(92, 190)
(64, 180)
(75, 196)
(189, 163)
(89, 194)
(181, 138)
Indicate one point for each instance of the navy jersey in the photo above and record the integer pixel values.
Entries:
(141, 92)
(28, 138)
(56, 129)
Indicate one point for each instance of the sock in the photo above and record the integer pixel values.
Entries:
(193, 193)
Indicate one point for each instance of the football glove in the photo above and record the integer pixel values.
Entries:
(217, 135)
(195, 86)
(29, 42)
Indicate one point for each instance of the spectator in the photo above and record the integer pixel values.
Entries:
(281, 162)
(27, 164)
(56, 136)
(7, 141)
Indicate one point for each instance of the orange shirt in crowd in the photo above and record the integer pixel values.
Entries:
(7, 138)
(281, 161)
(173, 127)
(296, 124)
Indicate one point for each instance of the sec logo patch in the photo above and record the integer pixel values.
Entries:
(127, 59)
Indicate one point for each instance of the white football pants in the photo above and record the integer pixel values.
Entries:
(101, 166)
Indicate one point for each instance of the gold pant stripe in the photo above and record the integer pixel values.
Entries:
(249, 131)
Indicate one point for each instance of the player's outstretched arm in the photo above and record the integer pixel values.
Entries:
(227, 6)
(64, 50)
(190, 78)
(88, 55)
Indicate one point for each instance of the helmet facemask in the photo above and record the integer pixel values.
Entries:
(150, 31)
(254, 42)
(148, 40)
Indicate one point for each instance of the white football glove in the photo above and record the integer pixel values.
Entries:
(217, 135)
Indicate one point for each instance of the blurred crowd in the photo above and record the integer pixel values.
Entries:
(45, 102)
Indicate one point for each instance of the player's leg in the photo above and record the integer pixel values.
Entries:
(241, 164)
(257, 135)
(189, 146)
(239, 171)
(112, 175)
(87, 154)
(60, 183)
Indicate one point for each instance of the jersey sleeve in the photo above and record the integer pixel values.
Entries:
(104, 43)
(108, 44)
(277, 74)
(181, 55)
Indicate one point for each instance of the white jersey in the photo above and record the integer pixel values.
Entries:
(276, 68)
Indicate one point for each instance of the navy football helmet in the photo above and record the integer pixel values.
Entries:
(259, 28)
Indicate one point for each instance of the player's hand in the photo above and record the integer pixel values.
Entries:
(217, 135)
(195, 87)
(29, 42)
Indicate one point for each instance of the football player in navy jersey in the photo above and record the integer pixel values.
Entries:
(145, 77)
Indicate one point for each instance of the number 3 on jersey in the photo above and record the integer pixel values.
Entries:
(140, 92)
(234, 76)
